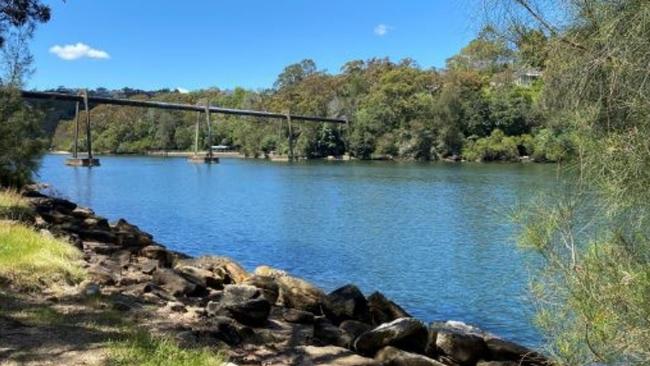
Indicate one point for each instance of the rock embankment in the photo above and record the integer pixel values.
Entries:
(267, 317)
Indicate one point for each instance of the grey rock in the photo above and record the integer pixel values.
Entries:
(346, 303)
(405, 333)
(297, 316)
(174, 283)
(327, 333)
(391, 356)
(350, 330)
(383, 310)
(502, 350)
(267, 284)
(466, 349)
(201, 277)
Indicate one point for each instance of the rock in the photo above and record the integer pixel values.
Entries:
(129, 235)
(502, 350)
(100, 248)
(294, 292)
(122, 258)
(332, 356)
(176, 284)
(463, 348)
(268, 285)
(101, 275)
(102, 236)
(297, 316)
(91, 289)
(96, 223)
(350, 330)
(176, 307)
(201, 277)
(156, 252)
(391, 356)
(327, 333)
(346, 303)
(244, 303)
(405, 333)
(231, 270)
(82, 212)
(382, 310)
(121, 305)
(63, 205)
(222, 328)
(498, 363)
(186, 337)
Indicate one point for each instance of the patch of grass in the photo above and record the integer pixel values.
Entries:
(143, 349)
(13, 206)
(29, 259)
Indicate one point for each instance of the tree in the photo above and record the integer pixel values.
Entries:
(594, 238)
(20, 135)
(21, 144)
(15, 14)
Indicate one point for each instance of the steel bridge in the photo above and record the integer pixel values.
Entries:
(206, 108)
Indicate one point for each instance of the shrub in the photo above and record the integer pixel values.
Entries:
(497, 146)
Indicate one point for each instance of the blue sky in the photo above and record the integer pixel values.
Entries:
(196, 44)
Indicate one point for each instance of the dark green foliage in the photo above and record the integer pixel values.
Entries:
(21, 143)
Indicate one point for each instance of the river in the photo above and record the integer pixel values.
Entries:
(434, 237)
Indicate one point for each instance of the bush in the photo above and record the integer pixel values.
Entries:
(495, 147)
(21, 142)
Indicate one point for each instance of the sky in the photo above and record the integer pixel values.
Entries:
(196, 44)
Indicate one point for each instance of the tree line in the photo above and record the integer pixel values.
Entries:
(482, 106)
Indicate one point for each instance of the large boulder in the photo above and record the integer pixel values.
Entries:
(231, 271)
(383, 310)
(201, 277)
(332, 356)
(405, 333)
(502, 350)
(391, 356)
(297, 316)
(346, 303)
(174, 283)
(156, 252)
(129, 235)
(294, 292)
(463, 348)
(268, 285)
(351, 330)
(327, 333)
(242, 302)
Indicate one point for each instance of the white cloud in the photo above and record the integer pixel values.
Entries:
(382, 29)
(182, 90)
(71, 52)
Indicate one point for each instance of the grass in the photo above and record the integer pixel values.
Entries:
(13, 206)
(30, 260)
(141, 348)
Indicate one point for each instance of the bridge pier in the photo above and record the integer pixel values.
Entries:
(209, 158)
(89, 161)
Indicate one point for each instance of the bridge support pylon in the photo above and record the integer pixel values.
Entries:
(209, 157)
(88, 161)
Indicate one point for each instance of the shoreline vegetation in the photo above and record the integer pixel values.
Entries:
(203, 310)
(484, 105)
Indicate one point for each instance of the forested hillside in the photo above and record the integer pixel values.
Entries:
(484, 105)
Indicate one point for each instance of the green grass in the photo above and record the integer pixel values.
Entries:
(30, 260)
(13, 206)
(143, 349)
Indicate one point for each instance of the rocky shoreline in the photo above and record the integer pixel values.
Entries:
(267, 317)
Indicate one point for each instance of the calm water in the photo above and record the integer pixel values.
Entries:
(434, 237)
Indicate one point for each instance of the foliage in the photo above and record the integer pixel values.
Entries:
(594, 291)
(21, 13)
(32, 260)
(21, 142)
(141, 348)
(396, 110)
(497, 146)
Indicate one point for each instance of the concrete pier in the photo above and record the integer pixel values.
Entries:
(82, 162)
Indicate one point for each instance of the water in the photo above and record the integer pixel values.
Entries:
(434, 237)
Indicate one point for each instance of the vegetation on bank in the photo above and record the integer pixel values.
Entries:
(29, 259)
(395, 109)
